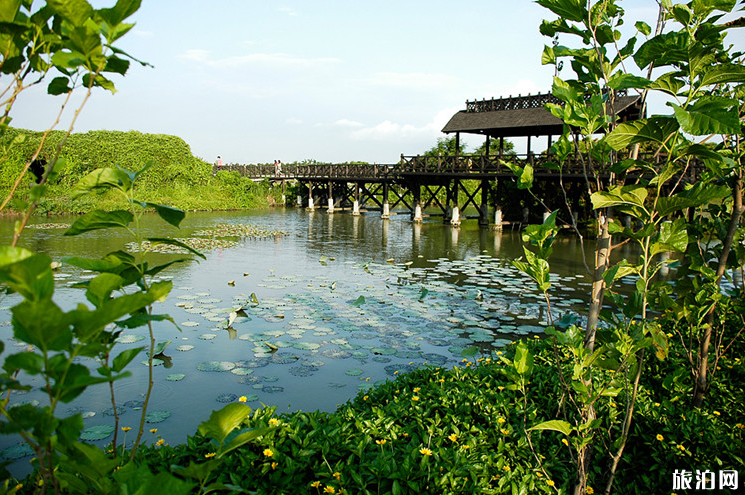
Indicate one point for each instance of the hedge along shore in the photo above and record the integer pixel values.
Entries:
(176, 177)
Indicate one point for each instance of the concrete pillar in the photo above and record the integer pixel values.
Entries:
(498, 218)
(284, 199)
(386, 211)
(418, 213)
(356, 208)
(331, 205)
(455, 217)
(299, 200)
(311, 206)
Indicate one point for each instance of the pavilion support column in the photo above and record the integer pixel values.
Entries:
(484, 209)
(356, 204)
(447, 213)
(299, 199)
(486, 145)
(455, 216)
(386, 208)
(331, 197)
(311, 204)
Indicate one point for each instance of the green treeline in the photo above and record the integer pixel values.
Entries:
(176, 177)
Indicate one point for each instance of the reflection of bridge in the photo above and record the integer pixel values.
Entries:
(417, 183)
(420, 182)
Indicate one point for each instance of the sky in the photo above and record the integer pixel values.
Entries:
(330, 80)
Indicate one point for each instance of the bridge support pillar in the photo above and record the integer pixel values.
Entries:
(356, 208)
(498, 218)
(299, 200)
(455, 217)
(331, 205)
(386, 208)
(417, 213)
(484, 208)
(311, 206)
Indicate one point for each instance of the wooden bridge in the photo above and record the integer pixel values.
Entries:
(448, 184)
(455, 183)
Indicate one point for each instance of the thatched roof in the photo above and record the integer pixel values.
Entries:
(523, 116)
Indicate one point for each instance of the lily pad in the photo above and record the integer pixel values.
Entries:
(185, 347)
(216, 366)
(226, 398)
(98, 432)
(129, 339)
(354, 372)
(16, 451)
(241, 371)
(157, 416)
(175, 377)
(189, 324)
(110, 411)
(207, 336)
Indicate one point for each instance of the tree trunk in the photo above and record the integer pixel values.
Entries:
(602, 255)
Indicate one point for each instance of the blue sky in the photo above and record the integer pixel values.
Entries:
(332, 80)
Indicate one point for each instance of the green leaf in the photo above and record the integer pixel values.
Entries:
(108, 264)
(523, 360)
(708, 117)
(654, 129)
(643, 28)
(174, 216)
(124, 358)
(75, 11)
(29, 362)
(572, 10)
(673, 237)
(359, 302)
(28, 274)
(724, 73)
(100, 288)
(554, 425)
(628, 199)
(668, 83)
(223, 421)
(102, 178)
(242, 439)
(469, 351)
(621, 80)
(9, 9)
(59, 86)
(663, 49)
(98, 219)
(119, 12)
(700, 194)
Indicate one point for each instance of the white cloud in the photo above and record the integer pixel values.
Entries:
(416, 80)
(256, 59)
(288, 11)
(341, 123)
(293, 121)
(388, 130)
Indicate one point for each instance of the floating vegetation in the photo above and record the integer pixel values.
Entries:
(98, 432)
(189, 324)
(175, 377)
(185, 347)
(226, 398)
(110, 411)
(197, 243)
(207, 336)
(239, 230)
(216, 366)
(157, 416)
(354, 372)
(48, 226)
(17, 451)
(129, 339)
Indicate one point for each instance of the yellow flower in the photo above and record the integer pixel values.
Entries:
(126, 428)
(550, 483)
(565, 442)
(681, 448)
(337, 475)
(590, 491)
(416, 389)
(660, 437)
(415, 398)
(273, 422)
(740, 425)
(441, 380)
(153, 430)
(505, 432)
(210, 455)
(395, 372)
(274, 465)
(381, 442)
(425, 451)
(365, 397)
(540, 475)
(242, 398)
(453, 437)
(501, 421)
(160, 442)
(717, 413)
(464, 360)
(656, 404)
(268, 453)
(367, 379)
(466, 447)
(500, 388)
(315, 484)
(506, 468)
(329, 489)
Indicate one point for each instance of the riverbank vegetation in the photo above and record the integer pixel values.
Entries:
(174, 176)
(639, 395)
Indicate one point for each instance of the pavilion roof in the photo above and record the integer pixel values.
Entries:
(524, 116)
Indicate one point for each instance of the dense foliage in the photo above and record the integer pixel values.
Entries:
(175, 177)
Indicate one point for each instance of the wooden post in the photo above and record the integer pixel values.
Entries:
(487, 146)
(484, 210)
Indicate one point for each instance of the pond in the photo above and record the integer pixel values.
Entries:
(332, 305)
